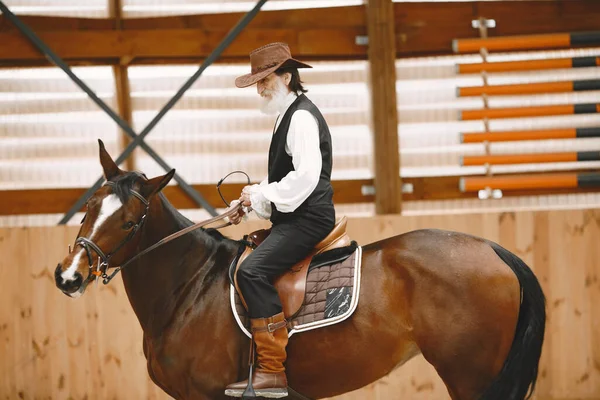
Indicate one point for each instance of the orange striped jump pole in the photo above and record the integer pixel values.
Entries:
(528, 42)
(530, 65)
(534, 158)
(510, 136)
(523, 182)
(529, 88)
(496, 113)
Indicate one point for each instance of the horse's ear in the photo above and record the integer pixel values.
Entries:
(155, 185)
(108, 165)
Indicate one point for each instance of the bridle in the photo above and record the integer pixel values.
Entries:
(104, 258)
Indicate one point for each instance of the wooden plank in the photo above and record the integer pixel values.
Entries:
(194, 44)
(137, 43)
(21, 202)
(420, 29)
(550, 16)
(52, 201)
(328, 18)
(428, 29)
(423, 29)
(87, 344)
(384, 111)
(49, 23)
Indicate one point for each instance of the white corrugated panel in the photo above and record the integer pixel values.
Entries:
(60, 8)
(217, 128)
(49, 129)
(154, 8)
(148, 8)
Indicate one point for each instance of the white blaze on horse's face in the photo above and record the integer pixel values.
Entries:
(110, 205)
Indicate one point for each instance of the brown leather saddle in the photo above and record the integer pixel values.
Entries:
(291, 285)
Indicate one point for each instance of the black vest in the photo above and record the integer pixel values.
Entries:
(280, 163)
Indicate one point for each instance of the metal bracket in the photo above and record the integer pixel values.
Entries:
(483, 22)
(369, 190)
(361, 40)
(489, 193)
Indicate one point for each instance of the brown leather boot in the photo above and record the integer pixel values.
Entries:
(268, 379)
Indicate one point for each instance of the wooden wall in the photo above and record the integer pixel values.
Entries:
(53, 347)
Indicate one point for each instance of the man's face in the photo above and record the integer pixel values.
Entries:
(267, 86)
(272, 89)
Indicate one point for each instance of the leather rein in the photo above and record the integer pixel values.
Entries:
(104, 258)
(229, 213)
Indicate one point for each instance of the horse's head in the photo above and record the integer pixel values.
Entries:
(110, 229)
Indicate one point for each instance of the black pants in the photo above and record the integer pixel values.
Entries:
(289, 242)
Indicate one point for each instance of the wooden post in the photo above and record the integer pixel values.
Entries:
(384, 114)
(122, 88)
(124, 104)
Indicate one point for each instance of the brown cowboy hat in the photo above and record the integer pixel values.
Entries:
(267, 59)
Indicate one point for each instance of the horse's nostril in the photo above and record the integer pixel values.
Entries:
(72, 285)
(57, 273)
(78, 280)
(69, 284)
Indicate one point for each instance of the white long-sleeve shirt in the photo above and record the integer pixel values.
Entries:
(302, 144)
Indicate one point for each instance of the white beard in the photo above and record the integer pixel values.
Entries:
(271, 105)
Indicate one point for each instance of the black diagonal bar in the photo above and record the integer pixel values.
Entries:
(137, 139)
(41, 46)
(216, 53)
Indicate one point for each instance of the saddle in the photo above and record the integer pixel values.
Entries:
(291, 286)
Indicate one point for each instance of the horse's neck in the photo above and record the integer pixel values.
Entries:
(161, 281)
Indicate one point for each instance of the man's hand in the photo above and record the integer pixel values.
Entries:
(245, 199)
(246, 202)
(237, 218)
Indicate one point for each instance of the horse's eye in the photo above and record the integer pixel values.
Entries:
(128, 225)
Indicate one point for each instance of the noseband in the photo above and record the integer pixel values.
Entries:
(104, 258)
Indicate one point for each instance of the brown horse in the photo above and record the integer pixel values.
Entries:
(473, 309)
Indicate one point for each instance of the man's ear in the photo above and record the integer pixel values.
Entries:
(108, 165)
(287, 78)
(153, 186)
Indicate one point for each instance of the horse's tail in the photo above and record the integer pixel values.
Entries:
(518, 376)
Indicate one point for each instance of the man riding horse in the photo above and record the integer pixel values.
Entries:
(296, 196)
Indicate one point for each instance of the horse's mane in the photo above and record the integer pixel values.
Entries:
(123, 184)
(185, 222)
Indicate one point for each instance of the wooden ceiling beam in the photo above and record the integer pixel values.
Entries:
(175, 43)
(421, 29)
